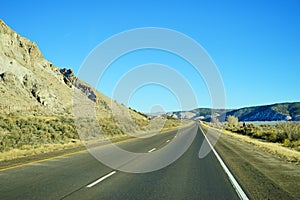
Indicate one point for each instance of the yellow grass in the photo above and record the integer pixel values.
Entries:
(28, 150)
(274, 148)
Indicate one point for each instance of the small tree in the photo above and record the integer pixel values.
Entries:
(232, 121)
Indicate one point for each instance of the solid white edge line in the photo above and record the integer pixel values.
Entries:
(152, 150)
(233, 181)
(101, 179)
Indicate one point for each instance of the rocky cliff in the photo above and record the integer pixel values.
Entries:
(30, 84)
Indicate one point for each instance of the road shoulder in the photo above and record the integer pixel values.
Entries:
(262, 174)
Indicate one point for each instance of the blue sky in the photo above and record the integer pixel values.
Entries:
(254, 44)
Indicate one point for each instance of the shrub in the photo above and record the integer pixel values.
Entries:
(20, 132)
(287, 133)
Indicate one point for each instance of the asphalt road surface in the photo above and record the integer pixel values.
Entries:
(81, 176)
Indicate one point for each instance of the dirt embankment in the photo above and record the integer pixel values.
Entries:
(263, 171)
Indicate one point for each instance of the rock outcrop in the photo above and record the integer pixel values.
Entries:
(30, 82)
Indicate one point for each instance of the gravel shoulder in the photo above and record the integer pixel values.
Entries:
(263, 173)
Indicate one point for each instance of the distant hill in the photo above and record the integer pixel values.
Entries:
(274, 112)
(197, 114)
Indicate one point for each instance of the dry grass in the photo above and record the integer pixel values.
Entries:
(28, 150)
(22, 136)
(275, 148)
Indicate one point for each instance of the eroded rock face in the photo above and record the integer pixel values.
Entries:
(18, 48)
(29, 80)
(26, 78)
(43, 95)
(88, 91)
(8, 77)
(69, 76)
(71, 80)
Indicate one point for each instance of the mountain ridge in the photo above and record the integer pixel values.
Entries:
(288, 111)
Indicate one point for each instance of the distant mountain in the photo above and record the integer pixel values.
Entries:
(274, 112)
(198, 114)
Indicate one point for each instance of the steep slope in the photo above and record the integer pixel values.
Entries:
(31, 85)
(28, 82)
(44, 107)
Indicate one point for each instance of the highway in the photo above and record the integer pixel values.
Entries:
(81, 176)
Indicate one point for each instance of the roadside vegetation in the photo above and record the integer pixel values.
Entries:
(27, 135)
(285, 133)
(33, 132)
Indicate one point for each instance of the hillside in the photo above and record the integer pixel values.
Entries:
(30, 84)
(197, 114)
(37, 100)
(274, 112)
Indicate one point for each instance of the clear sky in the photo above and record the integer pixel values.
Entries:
(255, 44)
